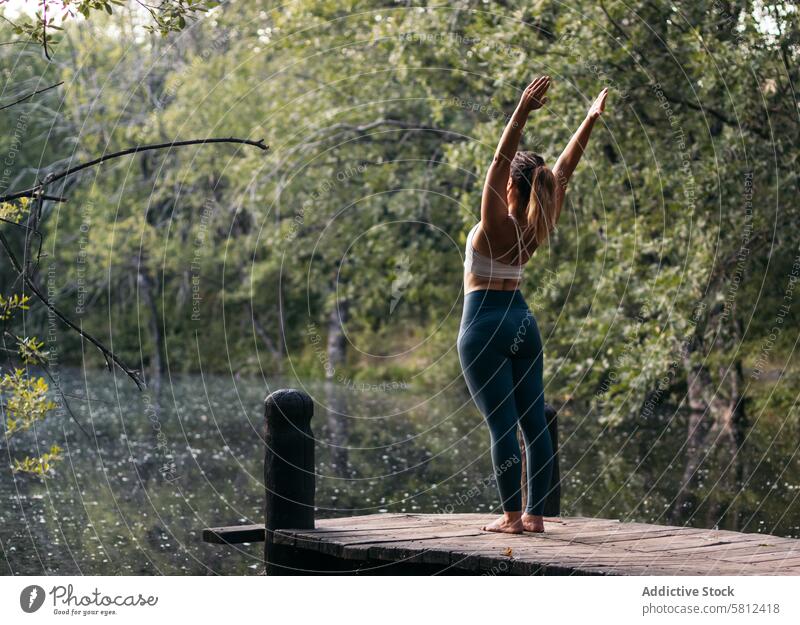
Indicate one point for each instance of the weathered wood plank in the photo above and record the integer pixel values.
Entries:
(622, 536)
(728, 549)
(789, 558)
(569, 546)
(671, 542)
(235, 534)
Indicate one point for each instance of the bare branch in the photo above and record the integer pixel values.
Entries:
(110, 356)
(338, 130)
(30, 95)
(51, 178)
(15, 224)
(614, 23)
(37, 192)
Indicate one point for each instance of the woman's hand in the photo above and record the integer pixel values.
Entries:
(598, 106)
(568, 161)
(494, 211)
(533, 97)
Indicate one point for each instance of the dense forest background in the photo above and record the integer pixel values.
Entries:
(668, 287)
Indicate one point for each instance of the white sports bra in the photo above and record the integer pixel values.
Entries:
(487, 267)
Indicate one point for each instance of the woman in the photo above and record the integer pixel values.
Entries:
(499, 343)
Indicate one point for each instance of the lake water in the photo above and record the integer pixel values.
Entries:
(109, 509)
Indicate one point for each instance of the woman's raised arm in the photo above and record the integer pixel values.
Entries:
(493, 202)
(571, 155)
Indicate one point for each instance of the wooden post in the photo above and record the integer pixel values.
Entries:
(552, 504)
(288, 474)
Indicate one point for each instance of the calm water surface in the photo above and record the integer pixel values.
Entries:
(109, 508)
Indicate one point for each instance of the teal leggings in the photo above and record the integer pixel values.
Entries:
(500, 349)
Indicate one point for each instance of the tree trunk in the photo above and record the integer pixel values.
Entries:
(715, 432)
(147, 289)
(697, 428)
(274, 350)
(336, 400)
(281, 326)
(337, 341)
(337, 419)
(726, 438)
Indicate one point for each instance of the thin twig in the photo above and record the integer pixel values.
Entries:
(46, 369)
(66, 403)
(29, 231)
(107, 353)
(89, 399)
(614, 23)
(14, 223)
(44, 30)
(30, 95)
(139, 148)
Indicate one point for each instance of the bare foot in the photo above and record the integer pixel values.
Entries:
(532, 523)
(509, 523)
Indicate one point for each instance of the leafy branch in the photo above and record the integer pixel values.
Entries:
(37, 191)
(166, 17)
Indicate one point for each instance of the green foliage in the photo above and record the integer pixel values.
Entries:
(41, 465)
(50, 15)
(25, 401)
(14, 211)
(30, 350)
(382, 120)
(12, 303)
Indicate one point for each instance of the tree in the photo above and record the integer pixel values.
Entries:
(338, 254)
(25, 397)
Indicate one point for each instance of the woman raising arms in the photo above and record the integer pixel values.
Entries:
(499, 344)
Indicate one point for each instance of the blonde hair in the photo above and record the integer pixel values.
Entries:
(536, 185)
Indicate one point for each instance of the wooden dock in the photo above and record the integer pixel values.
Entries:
(453, 544)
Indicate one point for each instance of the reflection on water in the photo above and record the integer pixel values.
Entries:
(134, 498)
